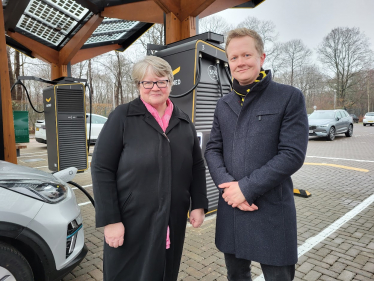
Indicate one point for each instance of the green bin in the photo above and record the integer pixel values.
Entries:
(21, 126)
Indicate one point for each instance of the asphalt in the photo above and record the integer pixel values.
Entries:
(335, 224)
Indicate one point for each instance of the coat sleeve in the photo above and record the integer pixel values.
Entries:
(104, 165)
(214, 154)
(199, 198)
(293, 141)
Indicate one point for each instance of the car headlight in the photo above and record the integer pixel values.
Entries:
(323, 126)
(49, 192)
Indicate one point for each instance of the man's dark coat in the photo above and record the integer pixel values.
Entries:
(145, 179)
(260, 145)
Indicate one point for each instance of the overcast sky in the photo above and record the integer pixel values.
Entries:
(310, 20)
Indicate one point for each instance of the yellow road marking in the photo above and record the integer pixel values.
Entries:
(338, 166)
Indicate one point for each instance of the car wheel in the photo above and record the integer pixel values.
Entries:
(349, 133)
(364, 124)
(13, 265)
(331, 135)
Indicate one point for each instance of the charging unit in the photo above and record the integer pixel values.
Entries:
(199, 61)
(65, 121)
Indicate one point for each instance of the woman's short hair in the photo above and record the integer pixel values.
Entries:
(155, 65)
(242, 32)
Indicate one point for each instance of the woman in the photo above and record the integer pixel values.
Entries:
(147, 170)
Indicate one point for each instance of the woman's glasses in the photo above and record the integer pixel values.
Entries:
(150, 84)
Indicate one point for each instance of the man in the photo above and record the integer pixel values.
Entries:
(258, 140)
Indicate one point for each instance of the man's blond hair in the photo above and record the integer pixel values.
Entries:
(242, 32)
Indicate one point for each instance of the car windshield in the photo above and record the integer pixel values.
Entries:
(322, 115)
(370, 114)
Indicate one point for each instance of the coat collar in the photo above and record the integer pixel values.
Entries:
(137, 107)
(234, 102)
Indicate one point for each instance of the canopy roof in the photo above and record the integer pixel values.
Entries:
(54, 23)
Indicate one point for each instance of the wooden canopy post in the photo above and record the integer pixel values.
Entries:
(181, 16)
(177, 30)
(9, 141)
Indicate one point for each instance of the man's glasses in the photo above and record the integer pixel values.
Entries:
(150, 84)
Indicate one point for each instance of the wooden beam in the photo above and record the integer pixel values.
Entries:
(90, 53)
(193, 8)
(170, 6)
(58, 70)
(38, 49)
(76, 43)
(173, 28)
(220, 5)
(9, 140)
(146, 11)
(188, 27)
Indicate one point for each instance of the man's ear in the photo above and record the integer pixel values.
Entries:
(262, 58)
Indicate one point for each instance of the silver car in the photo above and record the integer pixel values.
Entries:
(328, 123)
(41, 230)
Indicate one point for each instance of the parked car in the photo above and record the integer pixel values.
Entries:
(355, 118)
(97, 124)
(41, 230)
(368, 119)
(328, 123)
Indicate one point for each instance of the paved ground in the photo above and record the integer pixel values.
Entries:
(335, 225)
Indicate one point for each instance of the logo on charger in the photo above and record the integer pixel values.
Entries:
(212, 72)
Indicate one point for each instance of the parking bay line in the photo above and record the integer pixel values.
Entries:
(313, 241)
(338, 166)
(345, 159)
(34, 155)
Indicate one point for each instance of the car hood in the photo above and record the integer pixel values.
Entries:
(11, 171)
(316, 122)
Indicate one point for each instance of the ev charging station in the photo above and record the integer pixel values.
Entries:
(65, 121)
(201, 78)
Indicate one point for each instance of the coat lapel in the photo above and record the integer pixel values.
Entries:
(138, 108)
(175, 119)
(234, 103)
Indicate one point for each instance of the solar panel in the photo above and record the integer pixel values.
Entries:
(111, 30)
(56, 21)
(51, 20)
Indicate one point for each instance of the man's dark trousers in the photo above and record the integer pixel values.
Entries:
(240, 270)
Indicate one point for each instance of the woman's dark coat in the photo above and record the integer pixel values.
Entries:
(260, 145)
(145, 179)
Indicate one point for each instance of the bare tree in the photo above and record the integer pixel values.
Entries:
(155, 35)
(275, 61)
(17, 71)
(295, 54)
(345, 52)
(214, 24)
(266, 29)
(10, 67)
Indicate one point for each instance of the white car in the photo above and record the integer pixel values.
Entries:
(368, 119)
(97, 124)
(41, 226)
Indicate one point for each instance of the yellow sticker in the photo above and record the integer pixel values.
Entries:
(175, 71)
(48, 100)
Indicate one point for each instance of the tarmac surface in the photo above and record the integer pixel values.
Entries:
(335, 224)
